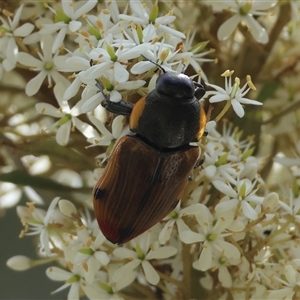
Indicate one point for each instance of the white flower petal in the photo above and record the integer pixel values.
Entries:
(205, 259)
(74, 291)
(227, 249)
(74, 25)
(117, 126)
(190, 237)
(227, 28)
(98, 70)
(238, 108)
(17, 17)
(51, 28)
(225, 277)
(100, 126)
(225, 206)
(219, 98)
(120, 73)
(115, 96)
(24, 30)
(124, 253)
(249, 211)
(87, 130)
(161, 253)
(28, 60)
(59, 38)
(59, 78)
(35, 83)
(48, 109)
(290, 275)
(63, 133)
(85, 8)
(122, 271)
(257, 31)
(165, 233)
(249, 101)
(141, 67)
(72, 89)
(125, 281)
(78, 63)
(58, 274)
(226, 189)
(102, 257)
(285, 293)
(150, 273)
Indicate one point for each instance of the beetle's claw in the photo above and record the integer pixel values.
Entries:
(200, 162)
(104, 103)
(101, 90)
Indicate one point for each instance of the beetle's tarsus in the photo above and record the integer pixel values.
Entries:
(200, 91)
(119, 108)
(199, 162)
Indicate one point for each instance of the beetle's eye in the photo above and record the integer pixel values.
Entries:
(177, 86)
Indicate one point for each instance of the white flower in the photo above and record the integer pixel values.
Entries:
(68, 117)
(233, 93)
(106, 138)
(141, 257)
(221, 262)
(40, 222)
(90, 257)
(101, 26)
(212, 235)
(136, 35)
(239, 197)
(175, 217)
(292, 207)
(293, 163)
(217, 166)
(198, 54)
(162, 54)
(290, 285)
(67, 20)
(107, 58)
(72, 280)
(9, 32)
(142, 15)
(19, 263)
(245, 12)
(45, 66)
(112, 90)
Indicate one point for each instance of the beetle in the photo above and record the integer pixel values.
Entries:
(149, 168)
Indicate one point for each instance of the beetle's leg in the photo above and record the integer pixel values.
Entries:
(200, 91)
(119, 108)
(200, 162)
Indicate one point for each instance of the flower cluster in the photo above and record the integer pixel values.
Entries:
(237, 222)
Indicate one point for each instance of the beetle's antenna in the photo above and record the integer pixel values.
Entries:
(154, 63)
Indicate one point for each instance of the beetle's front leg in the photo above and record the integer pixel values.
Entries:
(119, 108)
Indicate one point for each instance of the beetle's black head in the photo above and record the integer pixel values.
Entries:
(178, 86)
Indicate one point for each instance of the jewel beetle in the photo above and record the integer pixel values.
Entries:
(149, 168)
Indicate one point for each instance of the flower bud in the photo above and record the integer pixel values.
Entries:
(19, 263)
(67, 208)
(270, 202)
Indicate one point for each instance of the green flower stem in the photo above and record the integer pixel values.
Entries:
(44, 261)
(223, 112)
(187, 269)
